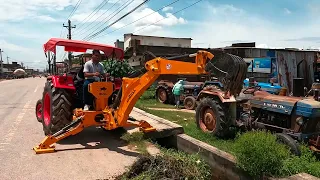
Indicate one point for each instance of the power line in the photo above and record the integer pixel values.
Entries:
(164, 17)
(125, 15)
(74, 9)
(96, 10)
(109, 16)
(137, 19)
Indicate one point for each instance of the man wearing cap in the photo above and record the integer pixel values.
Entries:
(92, 70)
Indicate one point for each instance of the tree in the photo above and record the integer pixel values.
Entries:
(116, 68)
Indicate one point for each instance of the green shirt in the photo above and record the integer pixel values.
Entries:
(177, 89)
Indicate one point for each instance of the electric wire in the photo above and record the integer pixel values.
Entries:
(116, 12)
(96, 10)
(165, 18)
(125, 15)
(137, 20)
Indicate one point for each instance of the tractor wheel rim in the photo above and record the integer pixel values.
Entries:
(209, 120)
(46, 110)
(39, 110)
(189, 103)
(162, 95)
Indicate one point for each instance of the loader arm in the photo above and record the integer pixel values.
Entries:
(132, 88)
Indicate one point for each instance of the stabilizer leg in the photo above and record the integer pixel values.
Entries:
(46, 146)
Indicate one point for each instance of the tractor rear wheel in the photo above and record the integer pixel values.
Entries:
(289, 142)
(164, 94)
(57, 108)
(189, 103)
(210, 117)
(39, 110)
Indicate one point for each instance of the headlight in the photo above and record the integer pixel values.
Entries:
(299, 121)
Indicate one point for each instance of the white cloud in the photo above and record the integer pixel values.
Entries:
(46, 18)
(23, 9)
(168, 20)
(168, 8)
(287, 11)
(237, 24)
(13, 47)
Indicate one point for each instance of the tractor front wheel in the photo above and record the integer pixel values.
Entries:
(39, 110)
(57, 108)
(289, 142)
(210, 117)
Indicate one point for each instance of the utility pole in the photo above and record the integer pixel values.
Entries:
(69, 37)
(1, 61)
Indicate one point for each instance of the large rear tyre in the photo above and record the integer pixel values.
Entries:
(161, 94)
(210, 117)
(39, 110)
(57, 108)
(289, 142)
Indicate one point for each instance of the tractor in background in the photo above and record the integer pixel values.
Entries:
(291, 118)
(189, 96)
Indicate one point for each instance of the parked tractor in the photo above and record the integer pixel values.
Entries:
(291, 118)
(189, 95)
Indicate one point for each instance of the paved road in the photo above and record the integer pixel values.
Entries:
(92, 154)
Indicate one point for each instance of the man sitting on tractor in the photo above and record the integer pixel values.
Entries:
(92, 70)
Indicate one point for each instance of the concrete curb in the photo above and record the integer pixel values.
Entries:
(222, 163)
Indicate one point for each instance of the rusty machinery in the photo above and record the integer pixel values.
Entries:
(112, 116)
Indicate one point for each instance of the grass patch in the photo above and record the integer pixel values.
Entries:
(137, 141)
(257, 152)
(147, 100)
(169, 164)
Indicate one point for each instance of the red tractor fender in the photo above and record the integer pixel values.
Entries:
(62, 82)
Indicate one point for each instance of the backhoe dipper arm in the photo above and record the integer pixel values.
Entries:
(133, 88)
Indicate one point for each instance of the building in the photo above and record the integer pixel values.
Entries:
(131, 39)
(119, 44)
(282, 65)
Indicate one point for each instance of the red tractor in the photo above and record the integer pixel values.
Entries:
(63, 93)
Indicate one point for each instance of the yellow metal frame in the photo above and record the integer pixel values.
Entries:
(132, 89)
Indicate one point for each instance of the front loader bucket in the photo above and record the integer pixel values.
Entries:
(230, 70)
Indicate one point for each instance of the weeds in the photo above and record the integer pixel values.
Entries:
(170, 164)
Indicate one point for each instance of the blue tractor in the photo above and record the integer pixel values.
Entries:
(269, 87)
(292, 118)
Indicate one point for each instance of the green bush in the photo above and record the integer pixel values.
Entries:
(306, 163)
(116, 68)
(258, 153)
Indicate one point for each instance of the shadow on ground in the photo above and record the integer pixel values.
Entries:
(97, 138)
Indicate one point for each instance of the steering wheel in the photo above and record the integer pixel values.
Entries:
(255, 88)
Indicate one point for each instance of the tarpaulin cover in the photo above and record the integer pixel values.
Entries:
(82, 46)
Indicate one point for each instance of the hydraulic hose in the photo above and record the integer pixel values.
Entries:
(136, 73)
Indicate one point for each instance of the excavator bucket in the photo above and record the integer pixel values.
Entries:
(230, 70)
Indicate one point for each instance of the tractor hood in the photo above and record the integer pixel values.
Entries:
(308, 108)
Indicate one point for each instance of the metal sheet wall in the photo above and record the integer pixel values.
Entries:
(287, 62)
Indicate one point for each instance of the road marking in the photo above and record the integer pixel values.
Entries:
(8, 137)
(36, 89)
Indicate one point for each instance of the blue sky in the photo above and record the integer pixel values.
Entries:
(27, 24)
